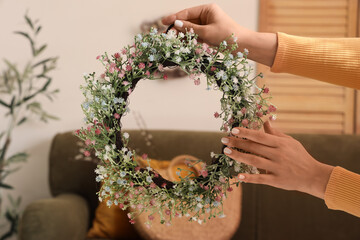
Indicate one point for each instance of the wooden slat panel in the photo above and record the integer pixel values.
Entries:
(306, 105)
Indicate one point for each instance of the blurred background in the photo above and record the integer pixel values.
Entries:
(76, 32)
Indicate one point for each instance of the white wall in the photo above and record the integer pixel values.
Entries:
(79, 30)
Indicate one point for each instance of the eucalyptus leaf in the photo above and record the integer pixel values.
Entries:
(38, 30)
(43, 62)
(22, 121)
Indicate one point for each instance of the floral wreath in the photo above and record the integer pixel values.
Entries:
(124, 182)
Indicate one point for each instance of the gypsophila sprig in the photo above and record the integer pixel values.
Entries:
(125, 184)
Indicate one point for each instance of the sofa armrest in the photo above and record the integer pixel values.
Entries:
(63, 217)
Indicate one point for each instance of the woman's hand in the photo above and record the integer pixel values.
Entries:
(288, 165)
(213, 26)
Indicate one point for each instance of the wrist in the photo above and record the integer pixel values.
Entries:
(262, 46)
(320, 179)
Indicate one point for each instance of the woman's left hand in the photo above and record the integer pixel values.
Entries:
(288, 165)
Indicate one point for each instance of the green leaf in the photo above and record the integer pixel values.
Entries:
(22, 121)
(38, 30)
(38, 51)
(28, 20)
(43, 62)
(3, 185)
(12, 105)
(4, 104)
(30, 40)
(16, 158)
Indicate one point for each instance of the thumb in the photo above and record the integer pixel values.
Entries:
(182, 26)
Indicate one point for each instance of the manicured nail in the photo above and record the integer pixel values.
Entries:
(178, 23)
(241, 176)
(225, 140)
(227, 151)
(235, 131)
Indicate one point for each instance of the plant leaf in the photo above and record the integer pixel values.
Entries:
(30, 40)
(22, 121)
(38, 51)
(38, 30)
(3, 185)
(43, 62)
(28, 20)
(18, 157)
(4, 104)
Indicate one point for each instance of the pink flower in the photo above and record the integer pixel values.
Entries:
(165, 77)
(195, 41)
(272, 118)
(128, 67)
(131, 184)
(206, 188)
(121, 74)
(97, 131)
(152, 185)
(123, 51)
(137, 169)
(129, 91)
(209, 50)
(156, 174)
(117, 55)
(198, 51)
(217, 188)
(147, 73)
(161, 67)
(197, 82)
(141, 65)
(77, 132)
(245, 122)
(132, 221)
(150, 64)
(272, 108)
(163, 185)
(218, 198)
(222, 180)
(117, 196)
(259, 114)
(87, 142)
(258, 106)
(116, 115)
(212, 68)
(151, 217)
(225, 127)
(243, 110)
(87, 154)
(102, 76)
(266, 90)
(167, 212)
(152, 202)
(125, 83)
(198, 60)
(140, 206)
(230, 189)
(121, 205)
(98, 57)
(216, 115)
(130, 60)
(144, 156)
(192, 76)
(204, 173)
(205, 46)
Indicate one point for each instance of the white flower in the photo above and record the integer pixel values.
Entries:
(199, 205)
(167, 55)
(224, 43)
(107, 148)
(220, 74)
(124, 149)
(171, 34)
(235, 79)
(226, 88)
(126, 135)
(139, 37)
(178, 59)
(200, 221)
(145, 44)
(212, 154)
(181, 35)
(177, 52)
(240, 55)
(149, 179)
(148, 168)
(222, 215)
(246, 51)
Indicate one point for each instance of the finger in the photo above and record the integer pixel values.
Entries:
(267, 179)
(256, 136)
(249, 159)
(186, 14)
(270, 130)
(168, 19)
(184, 26)
(249, 146)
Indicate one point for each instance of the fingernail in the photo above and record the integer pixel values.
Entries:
(225, 140)
(235, 131)
(241, 176)
(178, 23)
(227, 151)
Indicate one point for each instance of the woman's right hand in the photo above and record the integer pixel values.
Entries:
(213, 26)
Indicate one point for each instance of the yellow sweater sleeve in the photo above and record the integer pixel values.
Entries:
(343, 191)
(332, 60)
